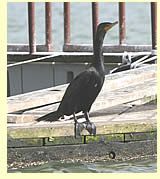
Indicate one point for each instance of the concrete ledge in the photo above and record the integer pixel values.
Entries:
(111, 151)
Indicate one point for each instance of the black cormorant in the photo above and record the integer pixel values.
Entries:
(83, 90)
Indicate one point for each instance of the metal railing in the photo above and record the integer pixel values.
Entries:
(95, 13)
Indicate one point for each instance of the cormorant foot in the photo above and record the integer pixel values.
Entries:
(78, 128)
(90, 127)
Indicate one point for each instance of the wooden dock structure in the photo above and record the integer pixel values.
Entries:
(124, 113)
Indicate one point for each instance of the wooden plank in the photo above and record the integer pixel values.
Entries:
(54, 94)
(104, 100)
(112, 120)
(124, 95)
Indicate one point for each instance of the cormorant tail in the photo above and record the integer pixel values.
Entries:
(53, 116)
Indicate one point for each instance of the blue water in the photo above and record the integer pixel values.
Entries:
(134, 166)
(138, 25)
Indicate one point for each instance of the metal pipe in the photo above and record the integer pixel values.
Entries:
(154, 24)
(31, 25)
(67, 23)
(122, 26)
(95, 17)
(48, 25)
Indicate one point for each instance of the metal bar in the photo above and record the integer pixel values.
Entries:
(124, 137)
(85, 141)
(43, 141)
(122, 26)
(33, 60)
(86, 57)
(48, 18)
(41, 49)
(67, 23)
(154, 24)
(95, 14)
(108, 48)
(31, 24)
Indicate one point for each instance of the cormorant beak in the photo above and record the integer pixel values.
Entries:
(110, 26)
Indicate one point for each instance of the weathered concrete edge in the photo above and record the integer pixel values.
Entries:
(26, 157)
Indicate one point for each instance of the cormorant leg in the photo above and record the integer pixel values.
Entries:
(78, 127)
(90, 126)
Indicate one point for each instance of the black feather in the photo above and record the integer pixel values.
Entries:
(53, 116)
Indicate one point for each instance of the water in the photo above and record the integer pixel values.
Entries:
(138, 25)
(141, 166)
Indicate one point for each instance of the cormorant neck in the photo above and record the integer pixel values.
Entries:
(97, 47)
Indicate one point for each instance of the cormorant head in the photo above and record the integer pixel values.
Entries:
(100, 34)
(105, 26)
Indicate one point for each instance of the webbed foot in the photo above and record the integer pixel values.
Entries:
(91, 128)
(78, 128)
